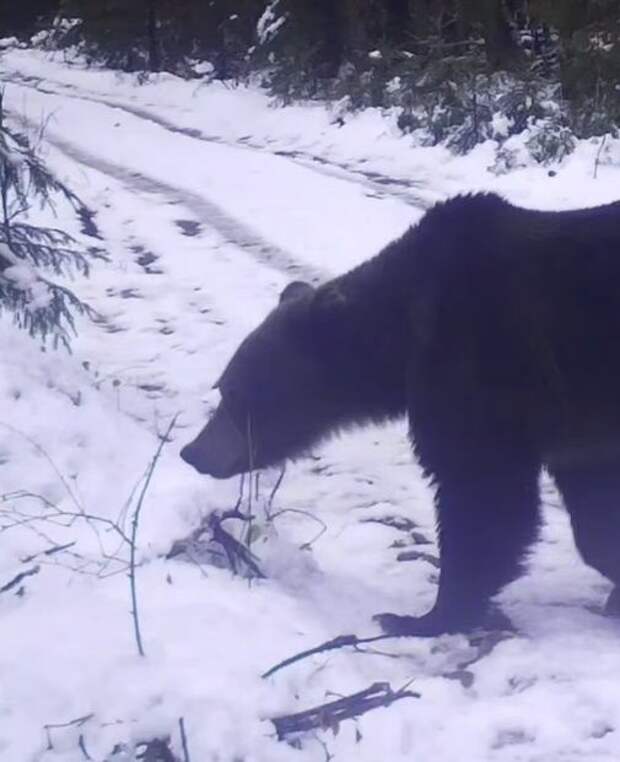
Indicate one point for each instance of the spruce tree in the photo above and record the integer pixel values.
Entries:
(29, 252)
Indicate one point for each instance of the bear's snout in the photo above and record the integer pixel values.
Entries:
(219, 450)
(190, 455)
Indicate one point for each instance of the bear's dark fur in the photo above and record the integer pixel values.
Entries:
(496, 329)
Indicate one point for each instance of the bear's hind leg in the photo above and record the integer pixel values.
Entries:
(591, 495)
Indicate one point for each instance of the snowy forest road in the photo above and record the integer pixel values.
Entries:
(409, 191)
(232, 230)
(201, 211)
(238, 232)
(239, 204)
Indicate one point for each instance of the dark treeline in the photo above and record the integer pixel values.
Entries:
(450, 66)
(21, 18)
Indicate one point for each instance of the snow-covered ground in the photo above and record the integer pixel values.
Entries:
(209, 201)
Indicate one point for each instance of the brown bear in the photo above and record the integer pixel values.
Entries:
(496, 330)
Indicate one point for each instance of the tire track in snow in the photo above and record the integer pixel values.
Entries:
(383, 186)
(231, 230)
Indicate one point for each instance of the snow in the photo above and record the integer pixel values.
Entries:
(24, 278)
(269, 23)
(500, 125)
(209, 200)
(8, 42)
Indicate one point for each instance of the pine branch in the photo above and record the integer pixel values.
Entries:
(47, 310)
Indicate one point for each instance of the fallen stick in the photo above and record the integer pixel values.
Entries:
(331, 645)
(330, 715)
(19, 578)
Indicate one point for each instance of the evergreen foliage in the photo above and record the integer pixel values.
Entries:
(450, 67)
(42, 307)
(154, 35)
(24, 17)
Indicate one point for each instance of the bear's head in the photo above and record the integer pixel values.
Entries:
(276, 399)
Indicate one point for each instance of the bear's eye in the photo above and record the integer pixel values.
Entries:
(232, 400)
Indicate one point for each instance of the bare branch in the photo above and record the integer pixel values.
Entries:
(43, 452)
(341, 641)
(274, 491)
(309, 543)
(598, 155)
(19, 578)
(330, 715)
(134, 534)
(186, 757)
(78, 722)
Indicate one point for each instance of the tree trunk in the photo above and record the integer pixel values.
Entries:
(499, 44)
(20, 18)
(398, 19)
(152, 36)
(354, 39)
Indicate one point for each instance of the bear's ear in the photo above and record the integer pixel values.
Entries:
(295, 290)
(328, 299)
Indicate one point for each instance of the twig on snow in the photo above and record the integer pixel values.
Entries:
(236, 552)
(250, 472)
(597, 161)
(44, 454)
(328, 755)
(341, 641)
(239, 502)
(485, 641)
(330, 715)
(308, 543)
(234, 549)
(18, 578)
(49, 551)
(134, 533)
(82, 745)
(14, 517)
(78, 722)
(186, 757)
(56, 515)
(274, 491)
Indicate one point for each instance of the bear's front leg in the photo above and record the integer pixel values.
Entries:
(612, 606)
(438, 623)
(487, 515)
